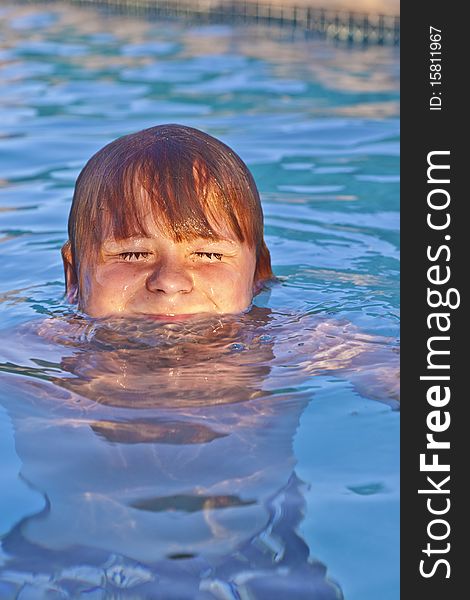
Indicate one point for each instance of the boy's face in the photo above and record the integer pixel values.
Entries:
(155, 276)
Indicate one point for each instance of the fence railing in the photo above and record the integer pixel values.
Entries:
(341, 25)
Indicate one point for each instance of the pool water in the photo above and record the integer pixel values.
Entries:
(246, 456)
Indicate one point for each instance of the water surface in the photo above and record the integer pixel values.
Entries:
(253, 454)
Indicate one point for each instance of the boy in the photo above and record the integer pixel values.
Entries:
(166, 223)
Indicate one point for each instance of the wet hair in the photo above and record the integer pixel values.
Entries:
(190, 183)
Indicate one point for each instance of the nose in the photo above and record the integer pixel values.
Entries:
(169, 278)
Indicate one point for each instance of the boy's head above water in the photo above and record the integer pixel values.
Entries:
(165, 221)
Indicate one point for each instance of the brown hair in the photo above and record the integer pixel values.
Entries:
(187, 180)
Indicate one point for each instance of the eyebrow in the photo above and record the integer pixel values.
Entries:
(116, 244)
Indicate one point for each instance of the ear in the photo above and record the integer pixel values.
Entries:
(71, 280)
(257, 286)
(263, 270)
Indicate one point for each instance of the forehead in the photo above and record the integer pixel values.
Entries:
(154, 231)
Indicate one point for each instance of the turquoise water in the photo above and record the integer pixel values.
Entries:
(251, 455)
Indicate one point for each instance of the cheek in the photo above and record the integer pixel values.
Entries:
(110, 288)
(117, 278)
(225, 282)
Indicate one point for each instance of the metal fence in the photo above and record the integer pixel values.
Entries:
(340, 25)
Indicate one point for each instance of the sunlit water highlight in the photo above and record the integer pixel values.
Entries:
(207, 459)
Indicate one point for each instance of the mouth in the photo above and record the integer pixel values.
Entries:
(170, 318)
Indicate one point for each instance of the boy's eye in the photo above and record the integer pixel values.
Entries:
(209, 255)
(133, 256)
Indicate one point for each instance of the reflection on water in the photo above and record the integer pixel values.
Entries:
(164, 455)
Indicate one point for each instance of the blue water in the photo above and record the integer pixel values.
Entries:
(125, 473)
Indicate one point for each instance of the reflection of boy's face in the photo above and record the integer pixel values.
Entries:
(156, 276)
